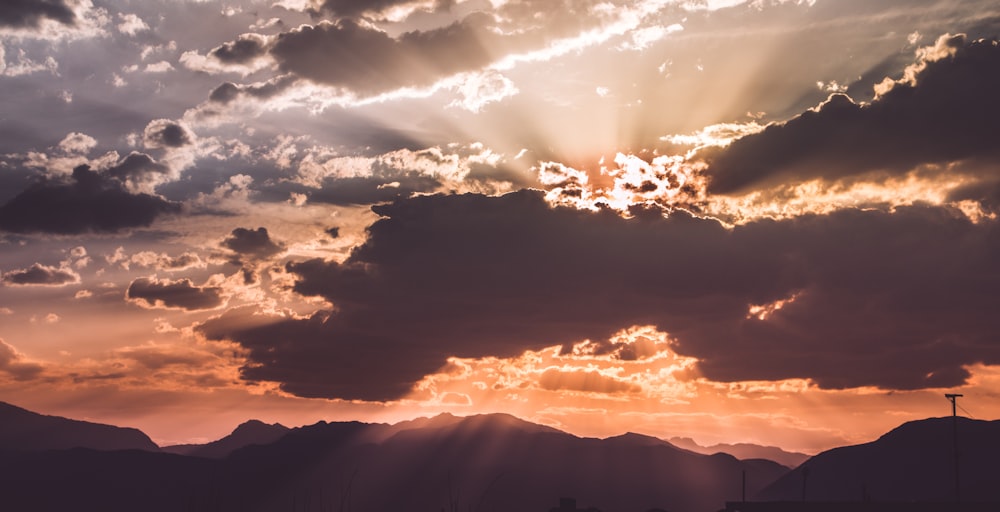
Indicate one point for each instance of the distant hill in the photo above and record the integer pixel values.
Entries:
(21, 429)
(912, 462)
(483, 463)
(249, 433)
(744, 451)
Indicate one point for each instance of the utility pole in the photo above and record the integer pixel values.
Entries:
(954, 431)
(805, 478)
(744, 495)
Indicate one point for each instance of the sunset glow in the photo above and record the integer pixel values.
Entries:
(771, 222)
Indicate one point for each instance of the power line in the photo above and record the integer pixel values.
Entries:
(966, 411)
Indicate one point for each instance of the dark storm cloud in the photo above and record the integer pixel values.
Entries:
(163, 133)
(181, 294)
(252, 243)
(949, 114)
(899, 300)
(39, 274)
(29, 13)
(88, 202)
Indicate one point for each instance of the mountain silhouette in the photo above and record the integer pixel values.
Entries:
(248, 433)
(914, 462)
(21, 429)
(492, 462)
(485, 462)
(743, 451)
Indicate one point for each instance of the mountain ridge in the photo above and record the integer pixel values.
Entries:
(250, 432)
(21, 430)
(490, 461)
(744, 451)
(495, 461)
(912, 462)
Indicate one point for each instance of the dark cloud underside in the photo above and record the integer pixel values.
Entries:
(163, 133)
(39, 274)
(255, 243)
(29, 13)
(950, 114)
(137, 167)
(882, 299)
(89, 202)
(369, 61)
(180, 294)
(241, 51)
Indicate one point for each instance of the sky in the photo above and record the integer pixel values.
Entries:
(765, 221)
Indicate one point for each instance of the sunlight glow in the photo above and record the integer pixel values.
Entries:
(763, 311)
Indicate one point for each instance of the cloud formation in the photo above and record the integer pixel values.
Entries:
(29, 13)
(476, 276)
(89, 201)
(43, 275)
(241, 51)
(252, 243)
(181, 294)
(593, 381)
(942, 110)
(365, 60)
(13, 363)
(356, 7)
(369, 61)
(164, 133)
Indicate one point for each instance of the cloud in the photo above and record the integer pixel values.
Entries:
(158, 357)
(871, 298)
(369, 61)
(139, 171)
(942, 110)
(358, 190)
(76, 143)
(29, 13)
(150, 292)
(164, 133)
(166, 262)
(357, 7)
(245, 55)
(241, 51)
(224, 93)
(131, 24)
(254, 244)
(41, 275)
(554, 379)
(351, 180)
(481, 89)
(89, 201)
(13, 363)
